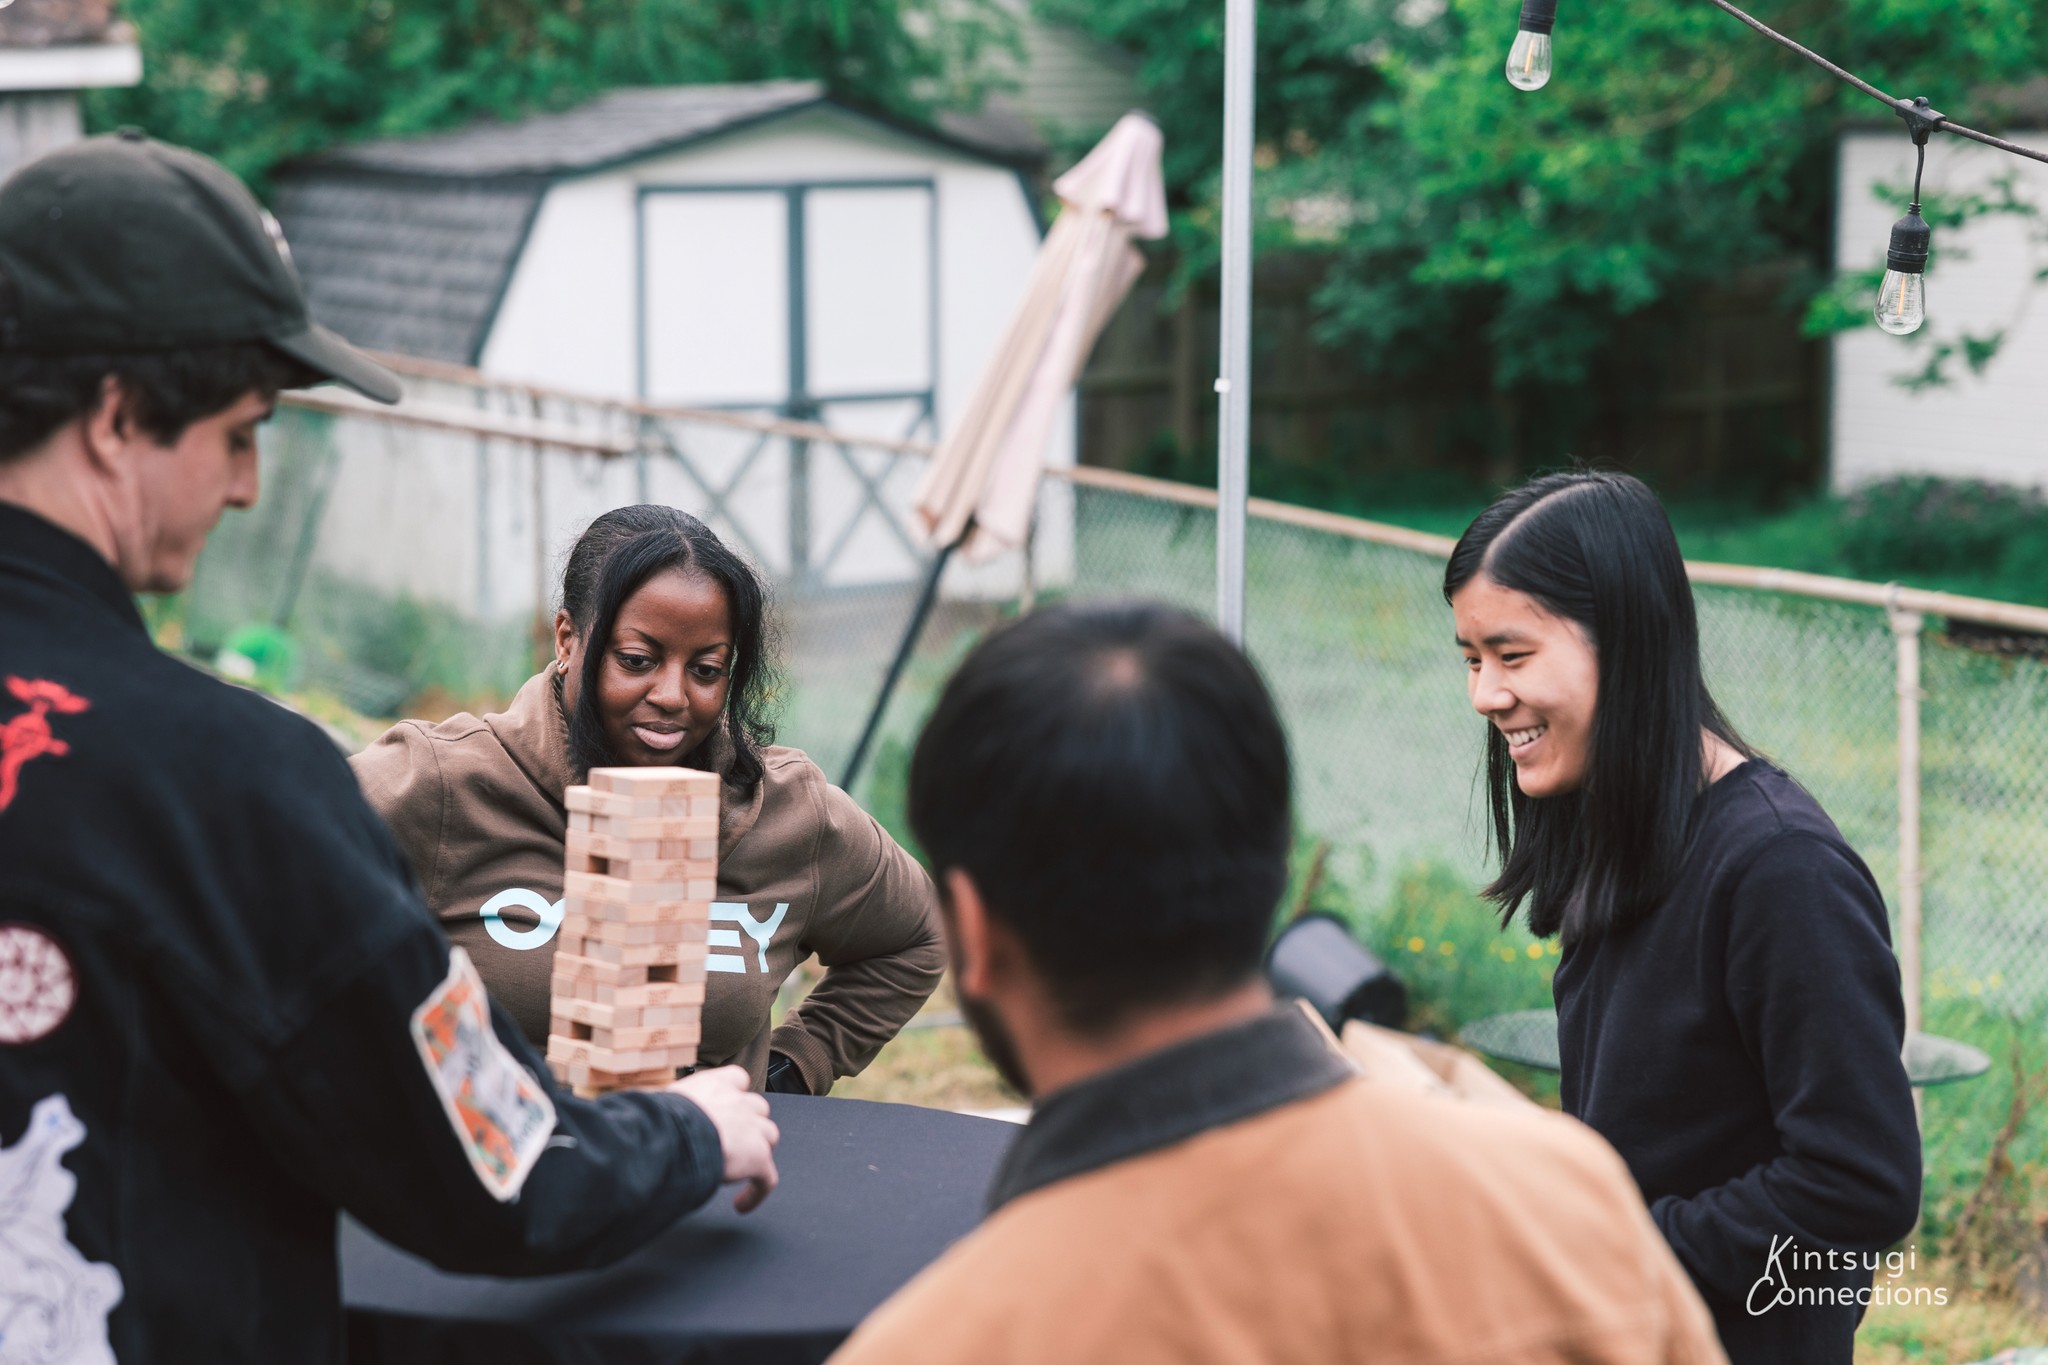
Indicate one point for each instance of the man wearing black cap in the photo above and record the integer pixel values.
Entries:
(224, 1013)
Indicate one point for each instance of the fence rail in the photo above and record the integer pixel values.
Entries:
(1932, 756)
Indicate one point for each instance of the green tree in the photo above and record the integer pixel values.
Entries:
(1523, 237)
(255, 82)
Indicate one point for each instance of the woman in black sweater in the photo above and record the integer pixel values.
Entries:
(1729, 1013)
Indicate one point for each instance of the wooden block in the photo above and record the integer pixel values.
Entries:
(594, 911)
(603, 842)
(643, 1039)
(677, 955)
(663, 781)
(701, 806)
(586, 1019)
(652, 827)
(571, 1051)
(580, 967)
(596, 886)
(665, 994)
(586, 930)
(587, 803)
(603, 1016)
(659, 869)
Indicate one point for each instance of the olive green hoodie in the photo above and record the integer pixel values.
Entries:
(477, 806)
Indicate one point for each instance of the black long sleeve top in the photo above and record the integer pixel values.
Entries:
(1740, 1047)
(225, 1015)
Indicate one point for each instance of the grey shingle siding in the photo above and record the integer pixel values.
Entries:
(408, 264)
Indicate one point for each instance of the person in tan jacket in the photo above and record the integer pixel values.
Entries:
(660, 658)
(1104, 792)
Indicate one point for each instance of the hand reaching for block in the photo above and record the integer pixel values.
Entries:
(745, 1132)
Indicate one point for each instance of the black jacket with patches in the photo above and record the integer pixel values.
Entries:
(210, 957)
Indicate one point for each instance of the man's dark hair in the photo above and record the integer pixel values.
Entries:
(619, 552)
(1115, 780)
(167, 390)
(1595, 548)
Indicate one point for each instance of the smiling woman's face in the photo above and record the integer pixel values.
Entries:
(1535, 677)
(664, 677)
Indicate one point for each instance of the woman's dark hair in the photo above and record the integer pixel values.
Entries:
(167, 391)
(1595, 548)
(622, 550)
(1115, 780)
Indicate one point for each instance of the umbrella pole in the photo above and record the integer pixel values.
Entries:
(1233, 384)
(904, 649)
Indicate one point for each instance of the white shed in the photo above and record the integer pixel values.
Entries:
(1987, 279)
(758, 247)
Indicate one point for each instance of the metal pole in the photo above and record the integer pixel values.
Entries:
(904, 649)
(1906, 627)
(1233, 383)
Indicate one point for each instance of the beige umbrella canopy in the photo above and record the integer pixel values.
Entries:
(983, 482)
(986, 471)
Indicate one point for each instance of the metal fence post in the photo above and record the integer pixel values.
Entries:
(1906, 628)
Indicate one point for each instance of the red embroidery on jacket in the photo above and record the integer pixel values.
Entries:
(29, 735)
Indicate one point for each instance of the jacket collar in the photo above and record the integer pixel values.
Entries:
(535, 733)
(32, 545)
(1169, 1096)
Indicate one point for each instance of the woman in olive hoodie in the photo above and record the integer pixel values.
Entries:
(660, 659)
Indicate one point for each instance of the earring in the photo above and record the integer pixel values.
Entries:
(562, 667)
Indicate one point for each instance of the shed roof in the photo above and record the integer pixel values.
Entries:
(619, 125)
(408, 244)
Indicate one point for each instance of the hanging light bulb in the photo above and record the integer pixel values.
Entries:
(1902, 298)
(1528, 66)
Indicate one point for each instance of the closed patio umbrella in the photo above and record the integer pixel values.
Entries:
(982, 487)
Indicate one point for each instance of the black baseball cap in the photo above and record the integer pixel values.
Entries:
(120, 244)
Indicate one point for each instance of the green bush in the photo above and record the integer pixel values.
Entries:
(1906, 526)
(1448, 948)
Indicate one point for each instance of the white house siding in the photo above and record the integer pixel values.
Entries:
(1983, 280)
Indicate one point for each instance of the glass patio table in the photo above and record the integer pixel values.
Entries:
(1529, 1037)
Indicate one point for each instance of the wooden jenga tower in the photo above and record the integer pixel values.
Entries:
(627, 996)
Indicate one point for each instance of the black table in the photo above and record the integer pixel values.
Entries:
(1530, 1038)
(870, 1194)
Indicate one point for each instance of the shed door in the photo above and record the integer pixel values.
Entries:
(812, 301)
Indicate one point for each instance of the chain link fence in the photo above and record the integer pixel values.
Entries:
(405, 564)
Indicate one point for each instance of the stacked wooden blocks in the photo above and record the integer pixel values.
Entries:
(627, 995)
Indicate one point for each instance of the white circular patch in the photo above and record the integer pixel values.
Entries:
(37, 984)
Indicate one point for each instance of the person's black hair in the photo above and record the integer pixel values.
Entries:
(167, 391)
(613, 557)
(1114, 779)
(1595, 548)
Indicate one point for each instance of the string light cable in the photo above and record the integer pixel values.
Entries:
(1901, 298)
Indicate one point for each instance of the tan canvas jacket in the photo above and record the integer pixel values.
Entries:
(477, 806)
(1243, 1200)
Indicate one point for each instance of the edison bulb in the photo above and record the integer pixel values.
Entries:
(1901, 302)
(1529, 61)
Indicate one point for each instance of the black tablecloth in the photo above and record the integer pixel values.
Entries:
(870, 1194)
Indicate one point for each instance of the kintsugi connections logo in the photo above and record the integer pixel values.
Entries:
(1775, 1287)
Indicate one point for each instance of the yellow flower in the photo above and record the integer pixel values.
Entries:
(1555, 948)
(1447, 948)
(1535, 950)
(1416, 945)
